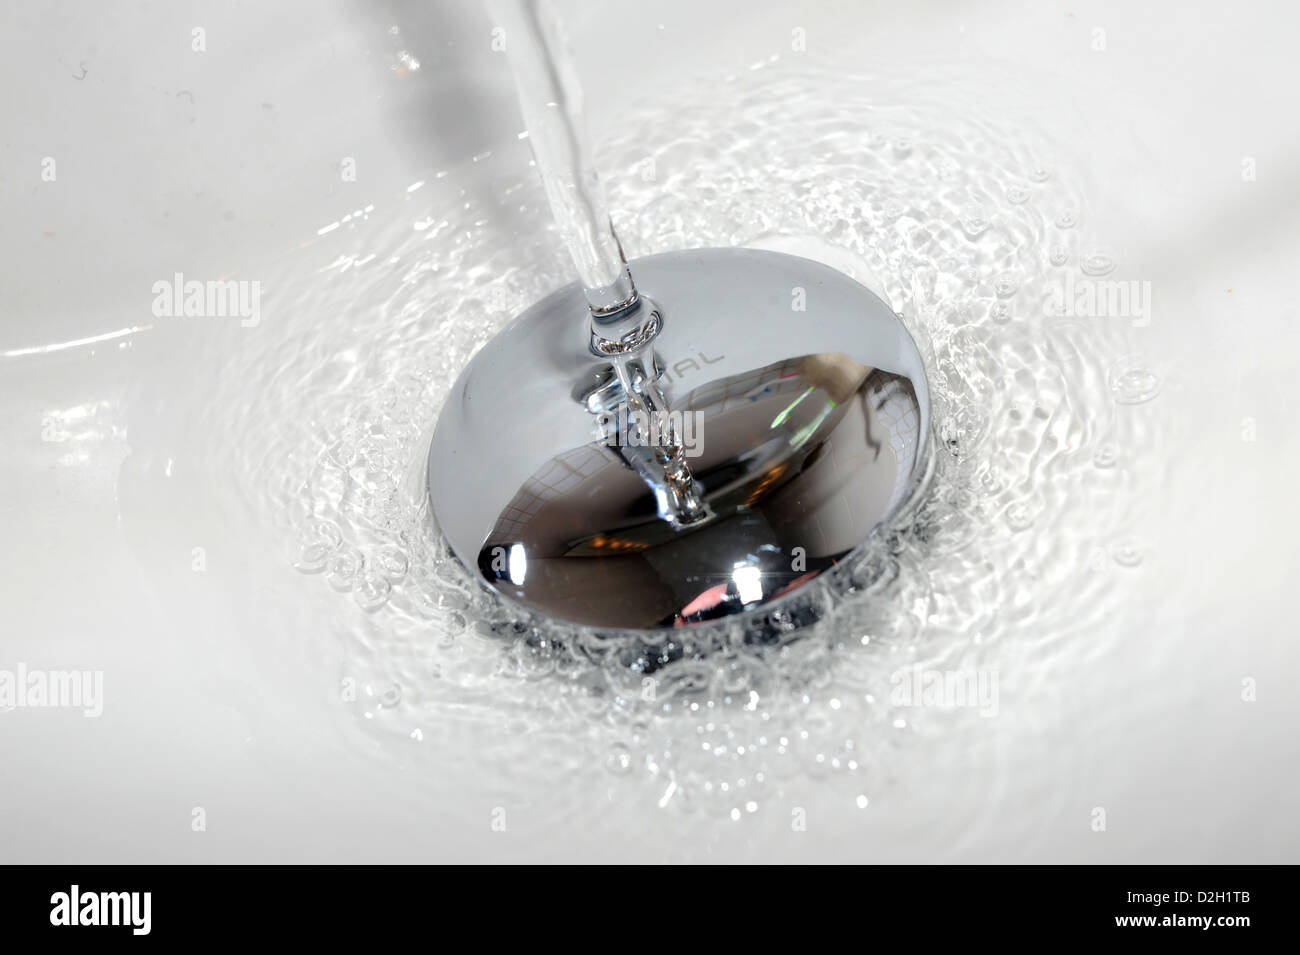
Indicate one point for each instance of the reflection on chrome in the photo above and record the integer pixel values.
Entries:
(811, 436)
(801, 460)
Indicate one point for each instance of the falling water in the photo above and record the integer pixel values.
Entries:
(550, 97)
(623, 323)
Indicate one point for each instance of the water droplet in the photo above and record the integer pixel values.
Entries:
(1126, 553)
(327, 532)
(990, 481)
(1006, 285)
(391, 696)
(1106, 456)
(1132, 383)
(1019, 516)
(312, 557)
(902, 147)
(618, 760)
(341, 454)
(862, 801)
(342, 568)
(371, 593)
(1067, 220)
(1058, 255)
(1096, 263)
(1017, 193)
(1000, 312)
(974, 220)
(960, 316)
(406, 61)
(411, 388)
(1040, 173)
(391, 563)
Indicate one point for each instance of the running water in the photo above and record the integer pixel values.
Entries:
(550, 97)
(1012, 566)
(623, 324)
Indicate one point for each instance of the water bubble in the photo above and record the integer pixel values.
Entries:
(371, 593)
(391, 696)
(341, 454)
(960, 316)
(450, 598)
(342, 568)
(326, 531)
(312, 557)
(1019, 516)
(619, 759)
(1000, 312)
(902, 147)
(411, 388)
(1106, 456)
(991, 481)
(1039, 173)
(1067, 220)
(1017, 193)
(948, 168)
(1058, 255)
(1126, 552)
(1131, 382)
(1006, 285)
(1096, 263)
(974, 220)
(391, 563)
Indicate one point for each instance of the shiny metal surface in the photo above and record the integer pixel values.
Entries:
(777, 419)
